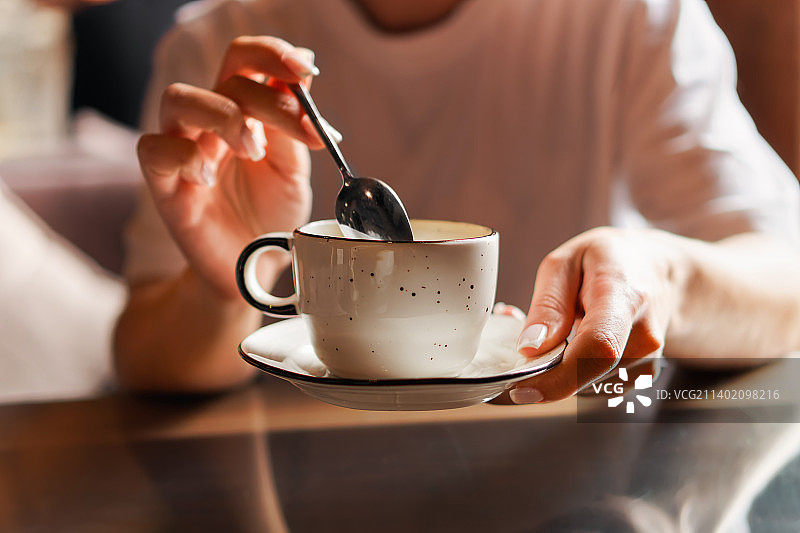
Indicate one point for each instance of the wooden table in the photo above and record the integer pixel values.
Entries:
(268, 458)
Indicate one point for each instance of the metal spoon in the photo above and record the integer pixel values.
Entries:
(366, 208)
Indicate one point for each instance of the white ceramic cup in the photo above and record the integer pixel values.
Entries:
(385, 310)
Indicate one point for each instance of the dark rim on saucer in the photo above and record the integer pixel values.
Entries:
(355, 382)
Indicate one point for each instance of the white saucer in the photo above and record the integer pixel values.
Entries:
(284, 350)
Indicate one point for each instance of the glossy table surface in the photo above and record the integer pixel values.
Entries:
(268, 458)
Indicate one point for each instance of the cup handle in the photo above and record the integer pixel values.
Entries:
(247, 281)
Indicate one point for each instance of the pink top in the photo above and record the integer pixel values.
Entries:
(539, 118)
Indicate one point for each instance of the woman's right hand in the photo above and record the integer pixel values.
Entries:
(216, 179)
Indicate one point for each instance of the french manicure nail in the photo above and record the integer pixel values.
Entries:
(522, 395)
(255, 150)
(300, 63)
(502, 308)
(257, 127)
(208, 174)
(532, 337)
(333, 132)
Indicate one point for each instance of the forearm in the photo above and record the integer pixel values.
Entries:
(741, 299)
(179, 335)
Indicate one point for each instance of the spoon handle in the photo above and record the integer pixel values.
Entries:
(304, 97)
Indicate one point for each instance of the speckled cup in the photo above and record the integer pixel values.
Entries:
(385, 310)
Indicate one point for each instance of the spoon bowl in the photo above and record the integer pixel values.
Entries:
(366, 208)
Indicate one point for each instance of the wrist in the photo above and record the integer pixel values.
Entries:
(679, 271)
(690, 283)
(179, 334)
(191, 288)
(220, 285)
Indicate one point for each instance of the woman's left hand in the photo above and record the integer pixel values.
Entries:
(619, 290)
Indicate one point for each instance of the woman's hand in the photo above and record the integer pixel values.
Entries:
(231, 163)
(618, 289)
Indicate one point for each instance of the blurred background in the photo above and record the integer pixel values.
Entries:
(72, 78)
(73, 75)
(765, 39)
(114, 43)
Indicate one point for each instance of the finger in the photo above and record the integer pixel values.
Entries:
(288, 157)
(213, 149)
(555, 300)
(611, 310)
(165, 160)
(307, 125)
(627, 375)
(188, 111)
(274, 106)
(271, 56)
(565, 379)
(310, 58)
(306, 121)
(646, 337)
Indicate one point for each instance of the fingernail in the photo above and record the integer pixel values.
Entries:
(301, 62)
(532, 337)
(522, 395)
(257, 127)
(502, 308)
(333, 132)
(208, 174)
(255, 151)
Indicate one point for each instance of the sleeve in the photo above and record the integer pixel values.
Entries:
(691, 158)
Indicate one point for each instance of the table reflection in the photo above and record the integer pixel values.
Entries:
(267, 458)
(533, 475)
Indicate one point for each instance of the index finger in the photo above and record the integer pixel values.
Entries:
(597, 346)
(264, 55)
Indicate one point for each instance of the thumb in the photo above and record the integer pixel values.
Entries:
(554, 303)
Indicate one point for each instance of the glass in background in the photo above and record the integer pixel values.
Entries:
(35, 78)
